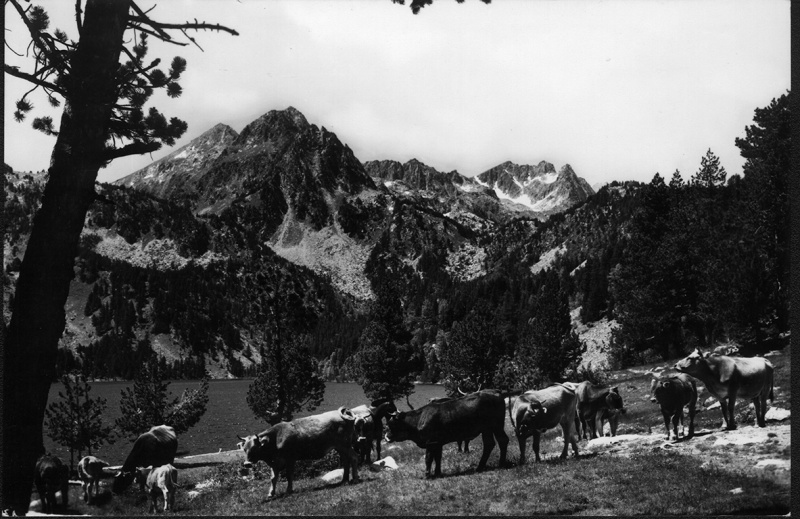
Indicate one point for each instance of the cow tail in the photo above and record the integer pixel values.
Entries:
(510, 417)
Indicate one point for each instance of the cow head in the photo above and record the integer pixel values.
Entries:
(692, 363)
(614, 399)
(528, 421)
(358, 430)
(255, 449)
(397, 429)
(122, 480)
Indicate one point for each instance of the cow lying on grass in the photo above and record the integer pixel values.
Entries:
(308, 438)
(673, 393)
(159, 481)
(50, 476)
(461, 419)
(538, 411)
(730, 377)
(90, 472)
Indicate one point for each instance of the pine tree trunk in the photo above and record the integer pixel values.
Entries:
(38, 316)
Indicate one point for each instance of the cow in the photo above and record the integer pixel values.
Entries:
(439, 423)
(159, 481)
(673, 392)
(539, 410)
(155, 447)
(730, 377)
(308, 438)
(50, 476)
(459, 443)
(591, 402)
(90, 472)
(612, 417)
(373, 416)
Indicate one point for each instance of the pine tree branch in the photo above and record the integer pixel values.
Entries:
(136, 148)
(14, 71)
(155, 35)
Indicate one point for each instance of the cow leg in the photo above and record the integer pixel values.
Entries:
(692, 412)
(458, 445)
(488, 445)
(728, 406)
(353, 464)
(569, 436)
(429, 451)
(760, 403)
(521, 442)
(166, 493)
(273, 482)
(502, 440)
(675, 419)
(86, 487)
(667, 417)
(437, 458)
(377, 447)
(598, 423)
(536, 437)
(613, 421)
(289, 477)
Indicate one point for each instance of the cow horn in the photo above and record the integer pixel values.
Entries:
(243, 439)
(347, 414)
(459, 390)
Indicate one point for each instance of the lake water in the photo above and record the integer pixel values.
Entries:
(226, 416)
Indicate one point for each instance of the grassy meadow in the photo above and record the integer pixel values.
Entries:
(687, 478)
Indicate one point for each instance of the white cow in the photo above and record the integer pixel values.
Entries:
(90, 471)
(157, 481)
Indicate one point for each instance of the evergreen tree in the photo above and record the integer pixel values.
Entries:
(76, 420)
(147, 403)
(676, 182)
(711, 173)
(287, 381)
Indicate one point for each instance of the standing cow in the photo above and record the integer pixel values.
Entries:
(308, 438)
(50, 476)
(438, 423)
(673, 393)
(158, 481)
(154, 448)
(538, 411)
(373, 416)
(730, 377)
(593, 402)
(90, 472)
(462, 446)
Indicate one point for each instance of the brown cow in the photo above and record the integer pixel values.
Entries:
(90, 472)
(308, 438)
(538, 411)
(592, 403)
(729, 377)
(50, 476)
(373, 416)
(673, 393)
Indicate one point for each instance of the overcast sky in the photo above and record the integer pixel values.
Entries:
(617, 89)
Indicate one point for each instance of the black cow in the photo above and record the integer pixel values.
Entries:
(154, 448)
(50, 476)
(459, 443)
(673, 392)
(372, 430)
(439, 423)
(593, 402)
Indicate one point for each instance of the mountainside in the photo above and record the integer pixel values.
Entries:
(539, 188)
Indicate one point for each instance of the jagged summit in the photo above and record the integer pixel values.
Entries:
(540, 188)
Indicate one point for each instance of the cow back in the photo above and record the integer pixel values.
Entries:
(310, 437)
(458, 419)
(156, 447)
(560, 402)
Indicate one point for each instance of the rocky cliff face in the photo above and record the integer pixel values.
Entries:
(539, 188)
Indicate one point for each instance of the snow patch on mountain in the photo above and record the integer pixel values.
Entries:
(328, 252)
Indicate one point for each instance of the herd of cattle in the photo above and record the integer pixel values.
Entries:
(580, 409)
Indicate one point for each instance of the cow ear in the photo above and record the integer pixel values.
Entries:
(615, 389)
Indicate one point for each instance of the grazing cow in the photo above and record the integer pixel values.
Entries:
(159, 481)
(90, 472)
(154, 448)
(308, 438)
(592, 401)
(538, 411)
(612, 417)
(729, 377)
(373, 416)
(50, 476)
(673, 392)
(439, 423)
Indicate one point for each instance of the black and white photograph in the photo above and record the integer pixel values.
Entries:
(396, 258)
